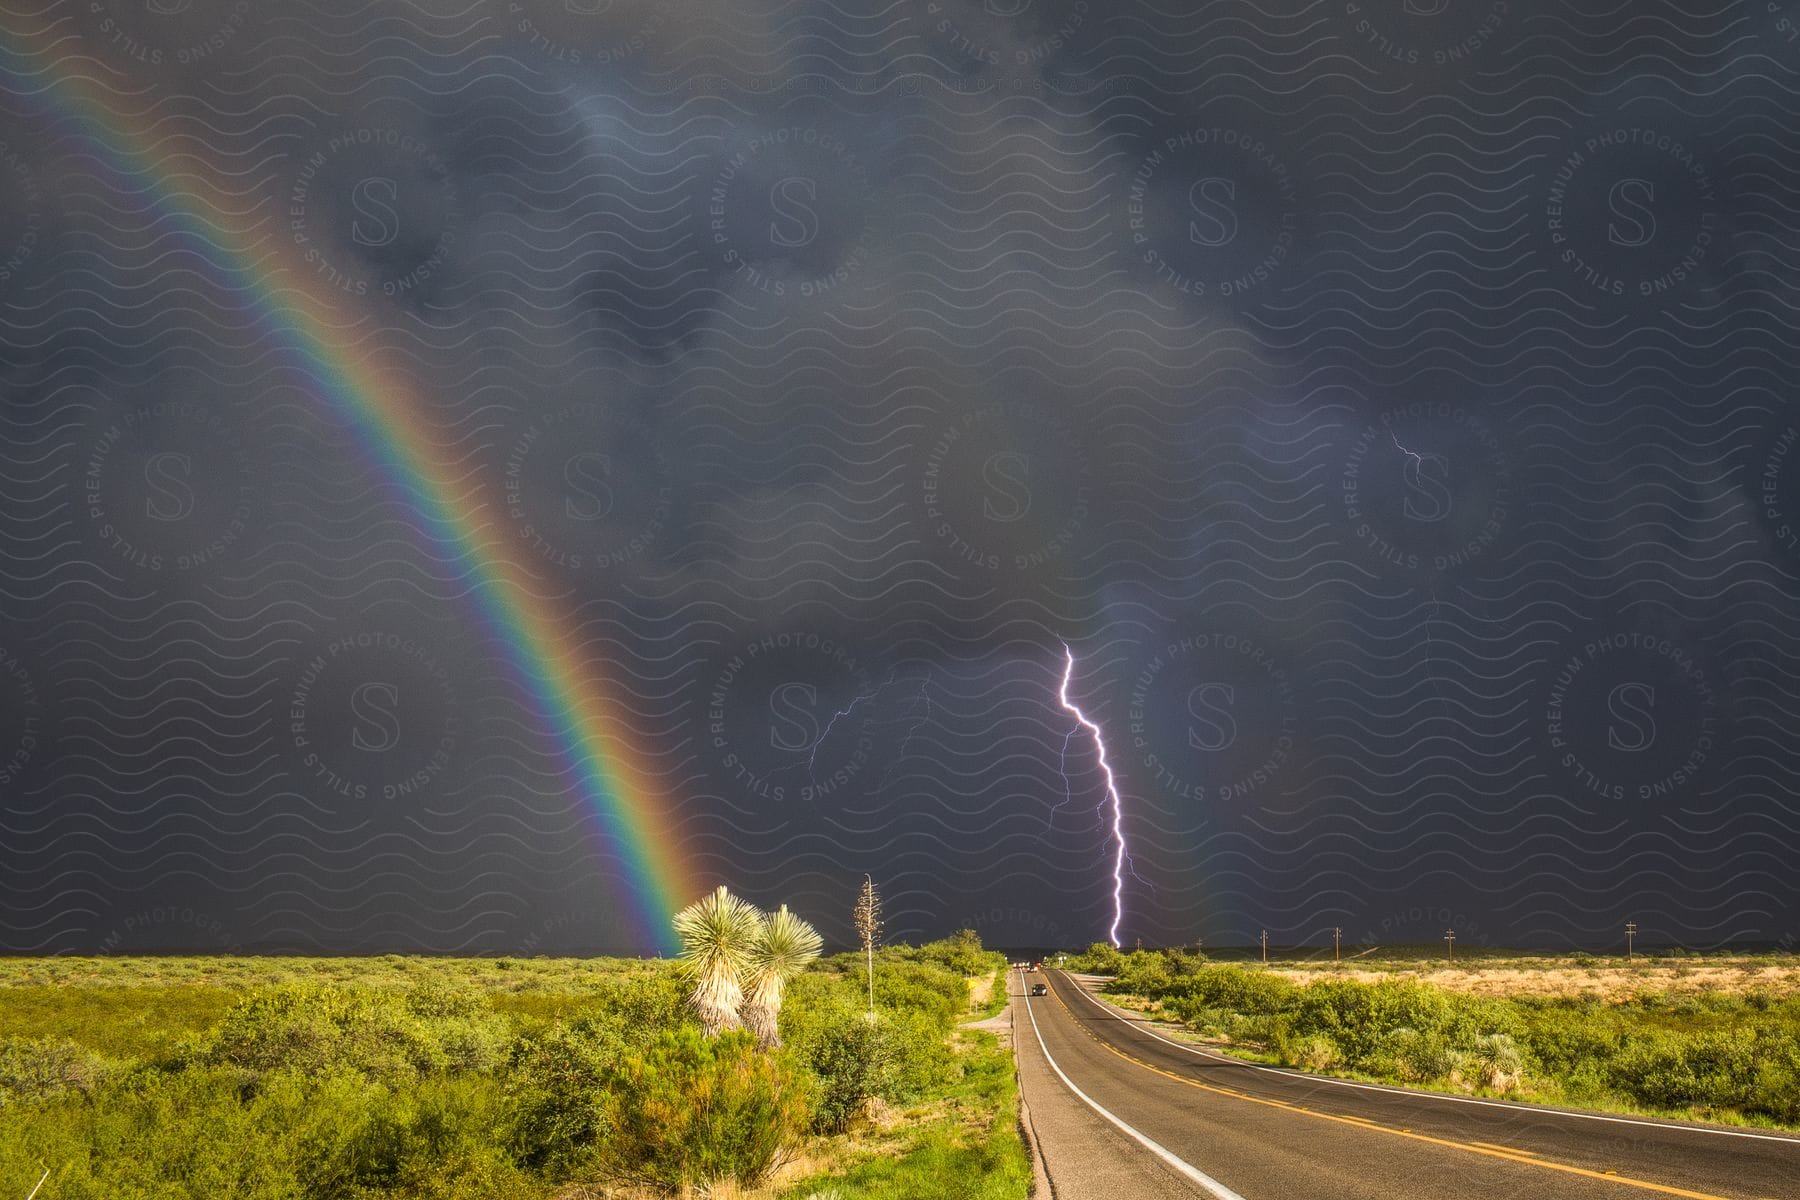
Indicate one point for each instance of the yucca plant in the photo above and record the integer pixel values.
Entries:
(868, 928)
(716, 935)
(784, 945)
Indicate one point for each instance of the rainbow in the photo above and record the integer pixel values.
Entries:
(380, 407)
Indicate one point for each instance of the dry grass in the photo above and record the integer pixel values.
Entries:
(799, 1167)
(1609, 979)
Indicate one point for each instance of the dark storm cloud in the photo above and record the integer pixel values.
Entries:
(1390, 416)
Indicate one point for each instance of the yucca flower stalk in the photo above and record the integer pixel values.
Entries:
(783, 947)
(717, 933)
(868, 928)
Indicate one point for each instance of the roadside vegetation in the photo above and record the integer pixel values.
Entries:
(1730, 1055)
(316, 1079)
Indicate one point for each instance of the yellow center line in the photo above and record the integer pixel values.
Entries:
(1482, 1148)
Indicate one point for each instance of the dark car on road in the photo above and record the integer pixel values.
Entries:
(1037, 989)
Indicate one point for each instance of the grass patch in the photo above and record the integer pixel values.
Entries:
(120, 1022)
(491, 1079)
(994, 1002)
(965, 1147)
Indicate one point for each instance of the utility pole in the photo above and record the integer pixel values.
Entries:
(1630, 932)
(1265, 945)
(1337, 932)
(1450, 941)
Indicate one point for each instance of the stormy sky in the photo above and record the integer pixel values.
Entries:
(1391, 405)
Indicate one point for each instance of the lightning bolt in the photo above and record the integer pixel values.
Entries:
(1436, 609)
(812, 760)
(1112, 792)
(1417, 457)
(1062, 768)
(921, 697)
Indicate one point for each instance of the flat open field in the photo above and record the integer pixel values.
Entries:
(127, 1007)
(1506, 973)
(526, 1078)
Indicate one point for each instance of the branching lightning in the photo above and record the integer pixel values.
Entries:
(1062, 768)
(1112, 792)
(1417, 457)
(920, 697)
(812, 759)
(1435, 610)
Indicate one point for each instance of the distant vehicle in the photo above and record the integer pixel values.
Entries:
(1037, 989)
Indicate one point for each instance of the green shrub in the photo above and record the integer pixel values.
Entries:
(1185, 960)
(462, 1023)
(923, 988)
(954, 1160)
(848, 1058)
(339, 1079)
(431, 1142)
(690, 1111)
(961, 952)
(39, 1068)
(1309, 1052)
(1233, 988)
(334, 1137)
(641, 1007)
(1412, 1055)
(919, 1060)
(1209, 1021)
(1142, 973)
(557, 1077)
(1100, 958)
(556, 1086)
(1570, 1039)
(318, 1028)
(1361, 1018)
(855, 1062)
(1716, 1070)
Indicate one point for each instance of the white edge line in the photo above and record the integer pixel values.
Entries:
(1180, 1165)
(1409, 1093)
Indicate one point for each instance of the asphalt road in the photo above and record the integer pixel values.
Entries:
(1120, 1112)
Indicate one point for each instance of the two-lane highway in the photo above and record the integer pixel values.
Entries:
(1121, 1110)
